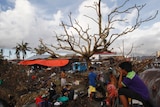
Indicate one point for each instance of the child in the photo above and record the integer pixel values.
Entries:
(112, 93)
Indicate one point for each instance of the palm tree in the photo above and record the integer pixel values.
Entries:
(17, 48)
(23, 47)
(1, 54)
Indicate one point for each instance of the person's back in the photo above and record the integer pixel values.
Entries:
(92, 79)
(92, 83)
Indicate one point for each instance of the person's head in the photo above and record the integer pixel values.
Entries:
(68, 86)
(110, 71)
(127, 66)
(91, 68)
(107, 82)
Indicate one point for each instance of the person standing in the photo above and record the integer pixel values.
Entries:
(131, 86)
(63, 78)
(92, 83)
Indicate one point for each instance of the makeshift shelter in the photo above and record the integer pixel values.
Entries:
(46, 62)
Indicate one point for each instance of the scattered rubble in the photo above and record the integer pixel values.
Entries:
(20, 88)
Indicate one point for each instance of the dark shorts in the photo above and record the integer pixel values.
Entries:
(133, 95)
(129, 93)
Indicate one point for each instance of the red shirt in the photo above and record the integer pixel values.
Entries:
(39, 99)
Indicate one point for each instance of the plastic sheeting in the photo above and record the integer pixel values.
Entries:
(46, 62)
(151, 77)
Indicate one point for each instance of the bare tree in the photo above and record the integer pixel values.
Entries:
(40, 50)
(86, 44)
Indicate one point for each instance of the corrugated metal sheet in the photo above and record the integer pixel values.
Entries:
(38, 57)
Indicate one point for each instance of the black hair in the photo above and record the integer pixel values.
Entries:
(110, 70)
(126, 66)
(91, 68)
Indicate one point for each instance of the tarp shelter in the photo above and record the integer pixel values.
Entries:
(46, 62)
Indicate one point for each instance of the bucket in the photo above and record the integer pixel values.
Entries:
(63, 99)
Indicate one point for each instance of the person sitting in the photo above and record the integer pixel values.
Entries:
(131, 86)
(38, 100)
(68, 91)
(52, 93)
(44, 102)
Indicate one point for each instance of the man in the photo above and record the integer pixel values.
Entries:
(92, 83)
(131, 86)
(63, 78)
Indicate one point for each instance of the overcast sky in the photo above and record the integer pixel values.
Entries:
(30, 20)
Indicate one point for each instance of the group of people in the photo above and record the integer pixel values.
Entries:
(50, 96)
(127, 85)
(46, 98)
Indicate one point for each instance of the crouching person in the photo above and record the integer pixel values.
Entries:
(131, 86)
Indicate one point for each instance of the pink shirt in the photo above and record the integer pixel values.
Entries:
(112, 91)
